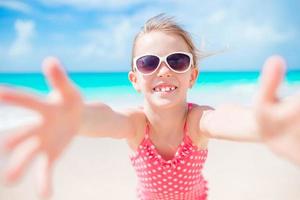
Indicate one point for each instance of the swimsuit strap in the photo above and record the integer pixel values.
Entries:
(147, 129)
(190, 106)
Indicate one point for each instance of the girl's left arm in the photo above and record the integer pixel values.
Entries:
(271, 120)
(230, 122)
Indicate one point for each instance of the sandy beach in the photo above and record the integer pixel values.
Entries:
(100, 168)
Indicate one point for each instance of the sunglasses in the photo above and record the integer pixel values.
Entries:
(178, 62)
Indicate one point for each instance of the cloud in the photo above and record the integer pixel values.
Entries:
(234, 24)
(265, 34)
(217, 17)
(25, 29)
(16, 5)
(110, 43)
(113, 42)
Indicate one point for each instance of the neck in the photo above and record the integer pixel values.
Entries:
(165, 122)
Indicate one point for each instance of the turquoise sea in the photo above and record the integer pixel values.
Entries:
(111, 84)
(115, 79)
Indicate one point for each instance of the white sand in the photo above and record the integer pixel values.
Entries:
(100, 168)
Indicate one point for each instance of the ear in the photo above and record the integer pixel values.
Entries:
(132, 76)
(194, 76)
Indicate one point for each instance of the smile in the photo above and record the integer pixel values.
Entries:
(164, 88)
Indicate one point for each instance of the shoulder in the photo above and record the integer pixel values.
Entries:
(138, 120)
(195, 117)
(199, 111)
(136, 116)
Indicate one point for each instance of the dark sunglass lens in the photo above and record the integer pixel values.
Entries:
(147, 64)
(179, 61)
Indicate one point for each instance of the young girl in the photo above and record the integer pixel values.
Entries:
(168, 135)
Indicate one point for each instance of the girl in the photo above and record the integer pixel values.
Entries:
(168, 135)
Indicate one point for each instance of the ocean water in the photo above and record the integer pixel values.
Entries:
(87, 80)
(211, 88)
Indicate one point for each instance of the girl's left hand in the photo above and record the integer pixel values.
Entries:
(278, 119)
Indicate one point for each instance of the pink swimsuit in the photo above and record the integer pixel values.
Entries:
(178, 178)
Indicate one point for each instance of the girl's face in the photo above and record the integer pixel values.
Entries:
(158, 88)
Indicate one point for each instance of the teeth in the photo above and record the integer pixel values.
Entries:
(164, 89)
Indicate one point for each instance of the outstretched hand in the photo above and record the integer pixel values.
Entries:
(278, 119)
(59, 121)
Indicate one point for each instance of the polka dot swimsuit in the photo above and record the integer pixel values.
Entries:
(178, 178)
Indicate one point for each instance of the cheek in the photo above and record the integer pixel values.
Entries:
(185, 81)
(144, 83)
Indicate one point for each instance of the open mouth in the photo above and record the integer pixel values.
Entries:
(164, 88)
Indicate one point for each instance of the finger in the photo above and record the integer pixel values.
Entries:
(56, 76)
(23, 99)
(20, 160)
(272, 76)
(12, 141)
(44, 174)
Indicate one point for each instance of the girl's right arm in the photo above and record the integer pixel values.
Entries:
(100, 120)
(62, 115)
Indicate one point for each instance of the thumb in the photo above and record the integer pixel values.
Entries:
(271, 77)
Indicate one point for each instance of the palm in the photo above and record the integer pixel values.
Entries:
(279, 120)
(58, 122)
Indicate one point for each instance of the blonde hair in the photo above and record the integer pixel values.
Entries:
(167, 24)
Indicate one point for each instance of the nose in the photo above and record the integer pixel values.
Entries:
(163, 70)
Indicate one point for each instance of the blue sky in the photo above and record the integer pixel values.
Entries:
(97, 35)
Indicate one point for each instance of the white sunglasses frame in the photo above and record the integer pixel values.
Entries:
(164, 59)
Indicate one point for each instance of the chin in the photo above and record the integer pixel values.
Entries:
(164, 103)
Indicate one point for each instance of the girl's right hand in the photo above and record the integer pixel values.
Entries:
(60, 117)
(278, 119)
